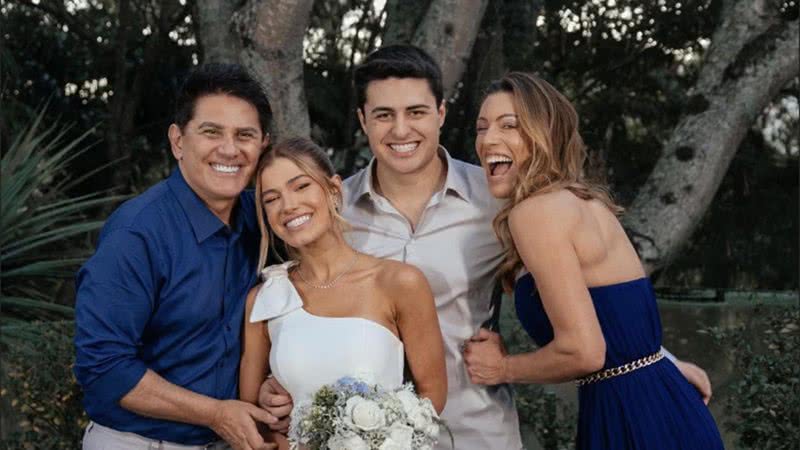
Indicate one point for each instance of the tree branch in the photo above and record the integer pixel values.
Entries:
(753, 55)
(448, 32)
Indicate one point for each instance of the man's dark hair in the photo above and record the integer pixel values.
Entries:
(228, 79)
(398, 61)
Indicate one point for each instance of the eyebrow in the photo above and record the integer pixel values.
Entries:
(216, 125)
(502, 116)
(291, 180)
(381, 109)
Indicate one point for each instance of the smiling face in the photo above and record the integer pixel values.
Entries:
(401, 120)
(499, 143)
(297, 208)
(217, 150)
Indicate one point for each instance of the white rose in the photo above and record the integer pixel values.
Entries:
(364, 414)
(408, 399)
(349, 442)
(401, 435)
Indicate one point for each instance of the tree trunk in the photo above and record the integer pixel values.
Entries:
(402, 20)
(753, 54)
(219, 44)
(271, 34)
(447, 32)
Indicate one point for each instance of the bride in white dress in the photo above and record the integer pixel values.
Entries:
(330, 312)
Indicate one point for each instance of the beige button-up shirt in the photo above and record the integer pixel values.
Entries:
(456, 248)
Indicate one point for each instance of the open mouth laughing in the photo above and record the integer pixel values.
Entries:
(498, 165)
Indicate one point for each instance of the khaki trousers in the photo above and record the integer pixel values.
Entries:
(98, 437)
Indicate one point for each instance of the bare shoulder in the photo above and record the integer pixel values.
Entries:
(556, 210)
(396, 276)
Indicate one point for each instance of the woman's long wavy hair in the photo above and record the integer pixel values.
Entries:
(314, 162)
(548, 125)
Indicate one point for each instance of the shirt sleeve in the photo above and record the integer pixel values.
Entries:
(116, 291)
(669, 355)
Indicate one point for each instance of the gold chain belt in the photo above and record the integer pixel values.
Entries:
(620, 370)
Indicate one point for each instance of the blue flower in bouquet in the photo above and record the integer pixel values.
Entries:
(353, 384)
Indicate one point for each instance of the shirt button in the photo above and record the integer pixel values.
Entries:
(228, 328)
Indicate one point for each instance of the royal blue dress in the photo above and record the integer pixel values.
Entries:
(653, 407)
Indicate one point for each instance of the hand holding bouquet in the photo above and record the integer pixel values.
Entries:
(354, 415)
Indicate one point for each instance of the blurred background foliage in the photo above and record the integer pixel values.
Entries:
(627, 65)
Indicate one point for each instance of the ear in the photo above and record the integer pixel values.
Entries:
(361, 119)
(265, 141)
(175, 136)
(337, 182)
(442, 113)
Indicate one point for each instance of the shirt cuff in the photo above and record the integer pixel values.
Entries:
(669, 355)
(117, 382)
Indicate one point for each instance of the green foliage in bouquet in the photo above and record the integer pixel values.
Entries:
(763, 405)
(319, 417)
(40, 389)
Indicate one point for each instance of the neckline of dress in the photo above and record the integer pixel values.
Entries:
(604, 286)
(360, 319)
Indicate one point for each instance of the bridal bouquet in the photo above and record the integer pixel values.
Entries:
(353, 415)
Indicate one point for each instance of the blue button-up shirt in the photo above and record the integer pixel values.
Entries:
(165, 290)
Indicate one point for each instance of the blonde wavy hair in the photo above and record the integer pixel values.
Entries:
(314, 162)
(548, 125)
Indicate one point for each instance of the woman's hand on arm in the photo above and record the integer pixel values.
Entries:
(486, 358)
(418, 325)
(542, 228)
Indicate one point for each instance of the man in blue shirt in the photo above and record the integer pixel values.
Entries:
(160, 305)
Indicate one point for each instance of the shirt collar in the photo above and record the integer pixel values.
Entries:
(204, 223)
(456, 180)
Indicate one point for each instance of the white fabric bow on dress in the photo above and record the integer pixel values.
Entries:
(277, 296)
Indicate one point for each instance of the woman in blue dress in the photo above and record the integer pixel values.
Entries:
(584, 296)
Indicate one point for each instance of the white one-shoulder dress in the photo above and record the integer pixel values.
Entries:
(309, 351)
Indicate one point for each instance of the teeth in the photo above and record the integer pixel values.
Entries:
(224, 168)
(494, 159)
(297, 221)
(404, 148)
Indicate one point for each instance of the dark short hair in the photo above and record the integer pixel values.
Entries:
(398, 61)
(217, 78)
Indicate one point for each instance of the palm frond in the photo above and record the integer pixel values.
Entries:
(44, 230)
